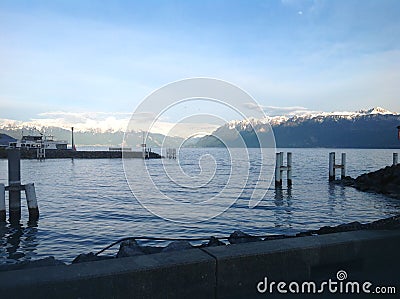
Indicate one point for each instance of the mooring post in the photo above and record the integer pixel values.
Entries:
(289, 169)
(32, 202)
(331, 166)
(343, 168)
(278, 173)
(14, 182)
(281, 167)
(2, 203)
(395, 158)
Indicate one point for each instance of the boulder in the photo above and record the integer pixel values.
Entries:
(129, 248)
(89, 257)
(177, 246)
(385, 181)
(238, 237)
(44, 262)
(214, 242)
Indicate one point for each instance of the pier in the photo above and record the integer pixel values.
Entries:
(72, 154)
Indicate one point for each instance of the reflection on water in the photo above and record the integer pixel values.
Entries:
(283, 203)
(18, 242)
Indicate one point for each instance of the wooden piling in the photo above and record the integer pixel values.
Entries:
(278, 173)
(343, 166)
(289, 170)
(171, 153)
(280, 168)
(14, 182)
(2, 203)
(395, 158)
(31, 202)
(331, 166)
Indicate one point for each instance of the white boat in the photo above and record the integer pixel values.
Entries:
(39, 141)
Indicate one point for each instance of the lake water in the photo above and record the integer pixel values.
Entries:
(87, 204)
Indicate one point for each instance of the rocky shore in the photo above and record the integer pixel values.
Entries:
(384, 181)
(131, 247)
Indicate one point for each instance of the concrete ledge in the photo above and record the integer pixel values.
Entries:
(364, 255)
(226, 271)
(187, 274)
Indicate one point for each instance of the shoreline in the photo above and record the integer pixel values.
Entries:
(232, 271)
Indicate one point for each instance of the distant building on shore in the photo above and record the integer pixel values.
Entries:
(5, 140)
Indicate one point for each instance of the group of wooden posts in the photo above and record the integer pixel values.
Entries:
(171, 153)
(280, 168)
(14, 189)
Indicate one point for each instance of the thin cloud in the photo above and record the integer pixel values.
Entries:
(108, 122)
(287, 111)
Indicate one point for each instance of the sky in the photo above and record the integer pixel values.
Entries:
(102, 58)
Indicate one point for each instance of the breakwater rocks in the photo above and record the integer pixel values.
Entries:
(385, 181)
(70, 154)
(131, 247)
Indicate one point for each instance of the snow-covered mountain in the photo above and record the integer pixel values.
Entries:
(320, 116)
(365, 128)
(373, 128)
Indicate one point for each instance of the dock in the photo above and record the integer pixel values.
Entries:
(71, 154)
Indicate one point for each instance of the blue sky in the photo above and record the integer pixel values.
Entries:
(106, 56)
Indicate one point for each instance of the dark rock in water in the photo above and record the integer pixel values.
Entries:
(333, 229)
(346, 181)
(240, 237)
(129, 248)
(388, 223)
(45, 262)
(349, 226)
(326, 230)
(276, 237)
(89, 257)
(305, 234)
(177, 246)
(214, 242)
(385, 181)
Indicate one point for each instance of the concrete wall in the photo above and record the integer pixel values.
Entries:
(225, 272)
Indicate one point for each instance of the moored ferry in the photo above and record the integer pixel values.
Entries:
(39, 141)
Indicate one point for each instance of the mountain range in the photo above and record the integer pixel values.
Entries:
(373, 128)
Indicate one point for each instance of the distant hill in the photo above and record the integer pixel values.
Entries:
(374, 128)
(93, 137)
